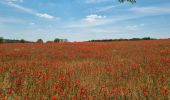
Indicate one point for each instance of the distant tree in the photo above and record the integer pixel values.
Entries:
(56, 40)
(146, 38)
(135, 39)
(39, 41)
(22, 41)
(1, 40)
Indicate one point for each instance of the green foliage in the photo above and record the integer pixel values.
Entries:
(60, 40)
(11, 41)
(22, 41)
(146, 38)
(1, 40)
(132, 39)
(39, 41)
(56, 40)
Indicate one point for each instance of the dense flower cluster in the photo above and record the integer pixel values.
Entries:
(128, 70)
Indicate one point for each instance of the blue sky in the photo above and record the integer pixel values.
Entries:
(81, 20)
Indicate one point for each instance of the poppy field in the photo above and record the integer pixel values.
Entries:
(120, 70)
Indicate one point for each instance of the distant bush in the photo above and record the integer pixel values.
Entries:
(39, 41)
(60, 40)
(146, 38)
(1, 40)
(135, 39)
(56, 40)
(132, 39)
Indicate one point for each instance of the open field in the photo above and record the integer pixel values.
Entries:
(133, 70)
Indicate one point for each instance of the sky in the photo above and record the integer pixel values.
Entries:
(82, 20)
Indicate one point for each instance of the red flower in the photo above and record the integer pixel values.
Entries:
(77, 83)
(113, 88)
(60, 91)
(10, 92)
(82, 91)
(61, 76)
(164, 91)
(54, 98)
(57, 85)
(145, 91)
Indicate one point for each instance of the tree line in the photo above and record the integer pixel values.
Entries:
(132, 39)
(2, 40)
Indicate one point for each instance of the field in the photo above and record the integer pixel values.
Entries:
(124, 70)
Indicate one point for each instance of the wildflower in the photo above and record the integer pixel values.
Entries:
(54, 98)
(77, 83)
(164, 91)
(145, 91)
(57, 85)
(60, 91)
(10, 92)
(82, 91)
(61, 76)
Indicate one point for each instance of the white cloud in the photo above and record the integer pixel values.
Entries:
(97, 21)
(29, 11)
(88, 21)
(94, 18)
(44, 15)
(105, 9)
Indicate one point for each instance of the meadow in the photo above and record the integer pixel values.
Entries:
(120, 70)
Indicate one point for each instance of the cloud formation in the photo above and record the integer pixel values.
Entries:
(105, 8)
(94, 18)
(28, 10)
(45, 15)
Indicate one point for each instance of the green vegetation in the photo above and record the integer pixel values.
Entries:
(1, 40)
(132, 39)
(60, 40)
(39, 41)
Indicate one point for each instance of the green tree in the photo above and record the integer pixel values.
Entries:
(146, 38)
(1, 40)
(56, 40)
(39, 41)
